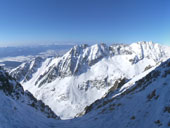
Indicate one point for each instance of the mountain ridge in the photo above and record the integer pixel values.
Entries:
(11, 88)
(86, 73)
(144, 103)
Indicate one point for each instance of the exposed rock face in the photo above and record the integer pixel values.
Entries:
(25, 71)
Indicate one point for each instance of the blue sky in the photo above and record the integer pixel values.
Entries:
(70, 21)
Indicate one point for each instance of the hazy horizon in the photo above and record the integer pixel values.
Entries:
(67, 43)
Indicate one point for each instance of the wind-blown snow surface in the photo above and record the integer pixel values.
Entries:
(19, 109)
(86, 73)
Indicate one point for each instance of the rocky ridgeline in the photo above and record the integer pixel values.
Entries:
(13, 89)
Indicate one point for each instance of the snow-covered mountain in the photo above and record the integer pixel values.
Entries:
(86, 73)
(25, 71)
(142, 102)
(19, 108)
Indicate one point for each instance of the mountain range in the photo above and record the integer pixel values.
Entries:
(86, 73)
(121, 85)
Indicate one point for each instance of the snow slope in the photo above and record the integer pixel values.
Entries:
(143, 103)
(86, 73)
(18, 108)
